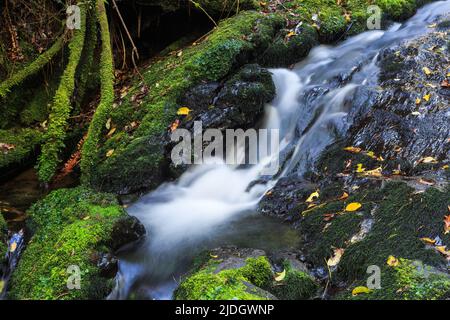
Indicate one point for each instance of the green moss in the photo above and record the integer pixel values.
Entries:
(321, 236)
(25, 142)
(107, 96)
(61, 107)
(397, 9)
(227, 284)
(402, 218)
(71, 227)
(410, 280)
(227, 47)
(297, 285)
(31, 69)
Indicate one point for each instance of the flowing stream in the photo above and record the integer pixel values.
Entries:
(213, 205)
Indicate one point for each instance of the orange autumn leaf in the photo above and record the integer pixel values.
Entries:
(447, 224)
(344, 196)
(353, 149)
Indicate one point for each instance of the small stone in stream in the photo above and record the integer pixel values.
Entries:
(108, 265)
(126, 231)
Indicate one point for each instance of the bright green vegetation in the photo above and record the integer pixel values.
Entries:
(107, 95)
(61, 107)
(72, 226)
(409, 280)
(227, 284)
(24, 143)
(33, 68)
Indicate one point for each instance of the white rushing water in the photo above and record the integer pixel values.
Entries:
(181, 216)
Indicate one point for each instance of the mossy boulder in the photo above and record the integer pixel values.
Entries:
(244, 274)
(407, 280)
(72, 227)
(228, 277)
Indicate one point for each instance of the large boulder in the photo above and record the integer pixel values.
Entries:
(75, 234)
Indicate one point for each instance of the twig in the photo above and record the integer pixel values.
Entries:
(197, 5)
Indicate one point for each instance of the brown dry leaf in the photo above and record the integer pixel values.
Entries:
(427, 160)
(5, 147)
(174, 125)
(426, 182)
(374, 173)
(445, 84)
(344, 196)
(111, 132)
(337, 255)
(328, 216)
(353, 149)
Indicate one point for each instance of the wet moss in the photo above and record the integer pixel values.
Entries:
(71, 227)
(410, 280)
(61, 107)
(397, 9)
(227, 284)
(402, 218)
(297, 285)
(233, 43)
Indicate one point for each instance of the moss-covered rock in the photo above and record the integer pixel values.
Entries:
(72, 227)
(237, 273)
(297, 284)
(144, 115)
(409, 280)
(243, 283)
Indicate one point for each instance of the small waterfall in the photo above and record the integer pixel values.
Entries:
(310, 110)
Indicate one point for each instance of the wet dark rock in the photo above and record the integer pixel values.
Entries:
(238, 103)
(400, 123)
(108, 265)
(126, 231)
(287, 194)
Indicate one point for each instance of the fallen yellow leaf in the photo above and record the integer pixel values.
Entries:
(183, 111)
(360, 289)
(359, 168)
(314, 196)
(13, 247)
(110, 153)
(279, 276)
(427, 97)
(353, 206)
(392, 261)
(428, 240)
(353, 149)
(426, 70)
(418, 100)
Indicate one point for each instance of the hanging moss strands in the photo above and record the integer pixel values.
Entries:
(31, 69)
(61, 106)
(107, 95)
